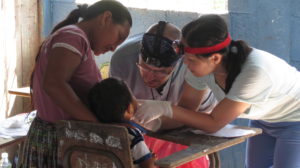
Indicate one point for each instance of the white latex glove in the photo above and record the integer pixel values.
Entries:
(149, 110)
(153, 125)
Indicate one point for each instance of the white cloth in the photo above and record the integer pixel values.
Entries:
(123, 66)
(268, 83)
(16, 126)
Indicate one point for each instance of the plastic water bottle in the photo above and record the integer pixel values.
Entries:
(5, 163)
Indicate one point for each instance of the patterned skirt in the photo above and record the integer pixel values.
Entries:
(40, 146)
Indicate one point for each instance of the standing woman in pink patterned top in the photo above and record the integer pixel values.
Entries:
(65, 70)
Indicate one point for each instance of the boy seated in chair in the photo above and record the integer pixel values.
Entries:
(111, 102)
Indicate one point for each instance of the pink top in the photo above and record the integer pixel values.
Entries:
(85, 76)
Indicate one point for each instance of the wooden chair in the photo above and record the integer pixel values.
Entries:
(93, 145)
(82, 144)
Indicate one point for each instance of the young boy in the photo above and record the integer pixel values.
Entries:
(111, 102)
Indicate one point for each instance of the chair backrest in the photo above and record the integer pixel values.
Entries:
(88, 145)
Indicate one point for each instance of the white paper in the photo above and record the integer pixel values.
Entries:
(17, 125)
(228, 131)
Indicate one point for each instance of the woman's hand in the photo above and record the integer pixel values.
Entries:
(153, 125)
(149, 110)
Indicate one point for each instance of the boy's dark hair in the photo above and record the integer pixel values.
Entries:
(120, 13)
(109, 99)
(210, 30)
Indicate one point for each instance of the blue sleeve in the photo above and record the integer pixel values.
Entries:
(139, 149)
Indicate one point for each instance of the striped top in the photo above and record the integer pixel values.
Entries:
(139, 150)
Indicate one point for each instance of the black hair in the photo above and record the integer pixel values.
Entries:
(158, 50)
(109, 99)
(210, 30)
(120, 13)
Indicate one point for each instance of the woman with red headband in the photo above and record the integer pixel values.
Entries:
(248, 83)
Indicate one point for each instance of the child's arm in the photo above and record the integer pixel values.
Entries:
(147, 160)
(141, 154)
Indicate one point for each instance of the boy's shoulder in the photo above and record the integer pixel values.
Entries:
(130, 125)
(135, 131)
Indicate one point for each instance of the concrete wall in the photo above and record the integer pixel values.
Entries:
(271, 25)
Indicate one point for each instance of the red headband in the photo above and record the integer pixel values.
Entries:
(210, 49)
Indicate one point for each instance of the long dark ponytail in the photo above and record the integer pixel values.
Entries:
(210, 30)
(72, 18)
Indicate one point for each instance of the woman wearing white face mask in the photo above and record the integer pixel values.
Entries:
(249, 83)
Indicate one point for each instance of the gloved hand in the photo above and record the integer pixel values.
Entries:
(149, 110)
(153, 125)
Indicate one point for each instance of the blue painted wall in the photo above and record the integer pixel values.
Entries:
(55, 11)
(271, 25)
(47, 17)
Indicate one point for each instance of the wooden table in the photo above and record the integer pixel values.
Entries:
(6, 142)
(199, 145)
(23, 92)
(10, 145)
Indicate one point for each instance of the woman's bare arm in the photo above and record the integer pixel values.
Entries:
(225, 112)
(61, 65)
(190, 99)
